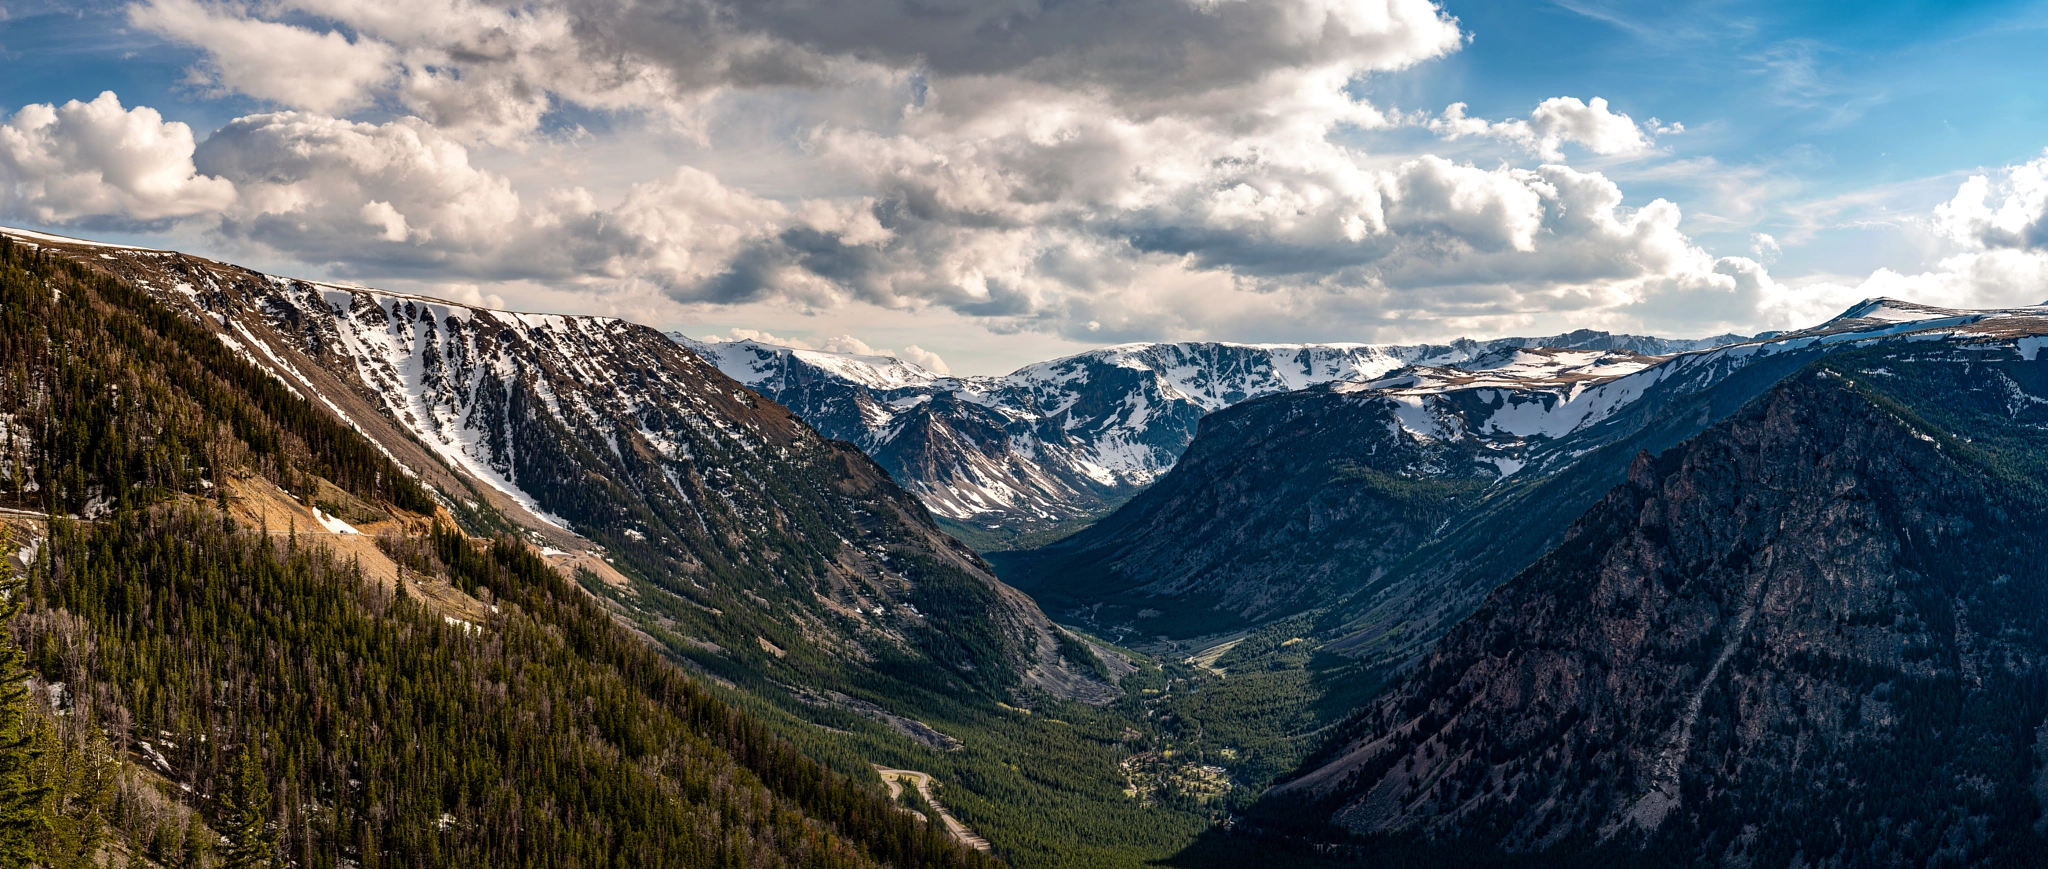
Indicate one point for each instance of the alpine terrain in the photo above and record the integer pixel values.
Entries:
(1056, 443)
(1811, 635)
(347, 578)
(1393, 505)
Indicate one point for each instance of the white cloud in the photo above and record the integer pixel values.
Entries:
(97, 160)
(381, 215)
(1998, 223)
(1556, 121)
(1765, 246)
(1013, 164)
(1150, 52)
(284, 64)
(852, 346)
(1068, 219)
(330, 190)
(490, 73)
(925, 359)
(2010, 211)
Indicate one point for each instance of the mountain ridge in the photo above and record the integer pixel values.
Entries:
(1067, 438)
(620, 452)
(239, 635)
(1797, 614)
(1281, 499)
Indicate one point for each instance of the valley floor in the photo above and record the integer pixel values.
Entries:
(1149, 779)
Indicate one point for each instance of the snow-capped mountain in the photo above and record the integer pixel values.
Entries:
(1069, 437)
(1400, 501)
(722, 523)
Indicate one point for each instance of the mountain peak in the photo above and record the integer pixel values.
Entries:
(1893, 310)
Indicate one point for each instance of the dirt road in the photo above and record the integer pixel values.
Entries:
(894, 777)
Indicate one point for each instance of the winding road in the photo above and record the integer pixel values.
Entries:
(893, 778)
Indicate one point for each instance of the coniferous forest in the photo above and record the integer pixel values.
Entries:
(185, 688)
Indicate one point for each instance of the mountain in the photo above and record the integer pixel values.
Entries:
(721, 524)
(1387, 509)
(1813, 634)
(1067, 439)
(239, 633)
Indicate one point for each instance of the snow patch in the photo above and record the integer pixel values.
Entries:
(333, 524)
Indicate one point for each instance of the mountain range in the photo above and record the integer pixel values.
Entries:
(1394, 505)
(1068, 439)
(1585, 599)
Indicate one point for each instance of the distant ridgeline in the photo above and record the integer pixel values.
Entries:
(1053, 444)
(255, 638)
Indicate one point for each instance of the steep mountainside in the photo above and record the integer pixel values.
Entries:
(1813, 635)
(1068, 438)
(253, 640)
(722, 524)
(1390, 508)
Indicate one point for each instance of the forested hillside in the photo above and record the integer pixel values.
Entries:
(254, 639)
(722, 524)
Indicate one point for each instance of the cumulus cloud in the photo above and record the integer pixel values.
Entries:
(494, 73)
(328, 189)
(287, 65)
(2009, 210)
(477, 71)
(1998, 223)
(1137, 170)
(1154, 51)
(1555, 122)
(925, 359)
(404, 197)
(98, 160)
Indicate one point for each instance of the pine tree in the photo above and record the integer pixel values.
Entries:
(245, 815)
(21, 801)
(197, 843)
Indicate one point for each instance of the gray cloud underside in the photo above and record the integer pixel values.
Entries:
(1135, 169)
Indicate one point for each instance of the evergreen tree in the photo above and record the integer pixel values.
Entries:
(198, 843)
(21, 801)
(245, 815)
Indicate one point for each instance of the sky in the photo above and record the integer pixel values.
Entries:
(972, 185)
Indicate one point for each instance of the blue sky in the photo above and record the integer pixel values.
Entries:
(996, 182)
(1834, 99)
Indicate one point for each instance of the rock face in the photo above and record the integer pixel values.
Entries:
(1066, 439)
(719, 521)
(1812, 635)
